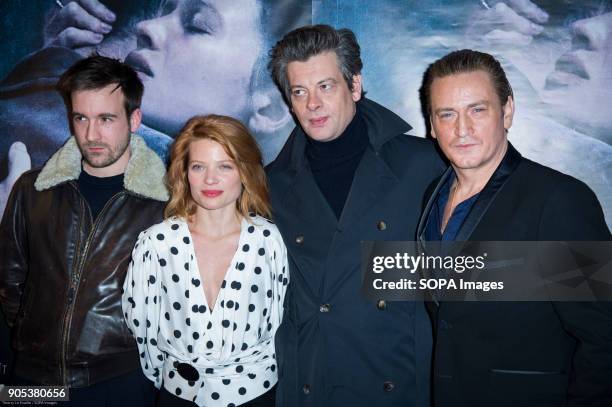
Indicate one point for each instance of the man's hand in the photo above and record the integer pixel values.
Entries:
(510, 22)
(79, 23)
(18, 163)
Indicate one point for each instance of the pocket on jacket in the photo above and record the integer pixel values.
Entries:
(22, 313)
(516, 388)
(26, 327)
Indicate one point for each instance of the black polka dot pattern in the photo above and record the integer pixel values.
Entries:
(163, 300)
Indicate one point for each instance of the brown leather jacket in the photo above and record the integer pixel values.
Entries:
(61, 272)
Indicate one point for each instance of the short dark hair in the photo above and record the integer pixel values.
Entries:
(96, 72)
(464, 61)
(308, 41)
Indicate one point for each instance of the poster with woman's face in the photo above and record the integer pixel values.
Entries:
(210, 56)
(557, 54)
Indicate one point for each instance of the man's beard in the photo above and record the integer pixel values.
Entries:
(103, 159)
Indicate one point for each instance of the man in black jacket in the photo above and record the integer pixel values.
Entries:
(347, 173)
(507, 353)
(67, 235)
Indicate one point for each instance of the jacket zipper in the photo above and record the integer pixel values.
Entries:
(76, 279)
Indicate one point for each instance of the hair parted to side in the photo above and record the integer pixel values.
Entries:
(96, 72)
(239, 145)
(308, 41)
(464, 61)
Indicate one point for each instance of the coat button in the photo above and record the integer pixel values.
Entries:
(299, 239)
(306, 389)
(444, 324)
(324, 308)
(388, 386)
(381, 305)
(381, 225)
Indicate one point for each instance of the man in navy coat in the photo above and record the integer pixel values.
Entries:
(494, 354)
(347, 173)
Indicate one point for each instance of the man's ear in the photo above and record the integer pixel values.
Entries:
(269, 110)
(357, 88)
(432, 131)
(508, 110)
(135, 120)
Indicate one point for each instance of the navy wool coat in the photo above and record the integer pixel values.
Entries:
(334, 347)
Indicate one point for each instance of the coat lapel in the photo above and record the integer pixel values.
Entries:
(484, 200)
(489, 193)
(303, 193)
(307, 199)
(430, 202)
(478, 211)
(373, 179)
(423, 244)
(310, 219)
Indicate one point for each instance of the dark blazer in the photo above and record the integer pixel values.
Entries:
(529, 353)
(334, 347)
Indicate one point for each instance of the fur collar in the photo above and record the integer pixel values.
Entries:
(144, 174)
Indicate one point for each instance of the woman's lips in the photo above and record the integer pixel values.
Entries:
(211, 193)
(570, 69)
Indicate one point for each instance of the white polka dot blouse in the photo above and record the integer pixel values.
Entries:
(213, 358)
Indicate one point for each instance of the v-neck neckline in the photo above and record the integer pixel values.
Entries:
(227, 272)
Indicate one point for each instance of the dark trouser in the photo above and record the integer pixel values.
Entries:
(129, 390)
(167, 399)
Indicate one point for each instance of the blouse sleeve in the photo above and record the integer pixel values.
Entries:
(141, 306)
(281, 274)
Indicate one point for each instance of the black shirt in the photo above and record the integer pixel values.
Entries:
(333, 163)
(98, 190)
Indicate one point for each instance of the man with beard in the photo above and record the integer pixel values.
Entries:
(217, 45)
(67, 234)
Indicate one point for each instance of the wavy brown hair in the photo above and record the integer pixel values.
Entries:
(239, 145)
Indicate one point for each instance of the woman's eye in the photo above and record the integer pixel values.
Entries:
(167, 8)
(200, 24)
